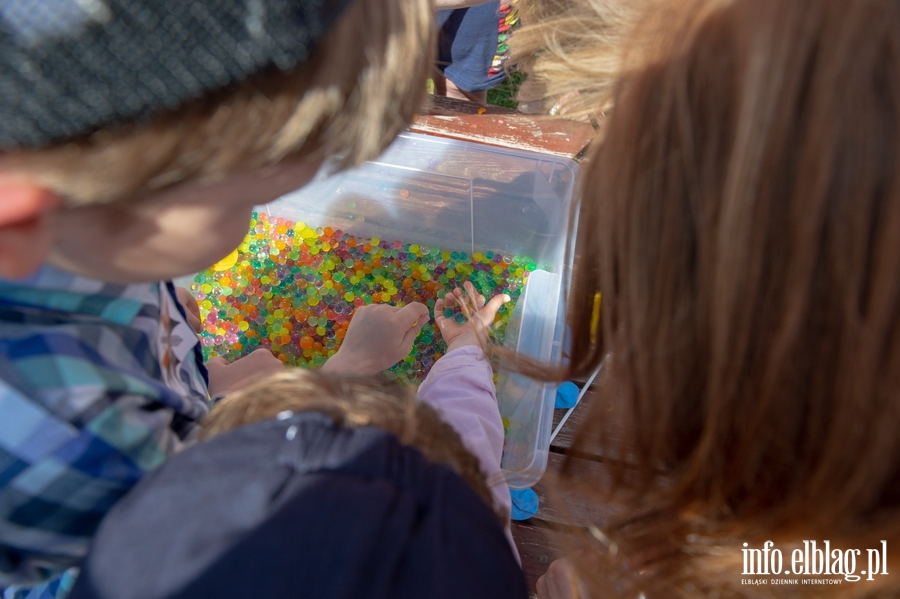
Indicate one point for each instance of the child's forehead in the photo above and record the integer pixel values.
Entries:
(70, 67)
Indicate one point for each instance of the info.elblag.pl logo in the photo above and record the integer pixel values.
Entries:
(814, 563)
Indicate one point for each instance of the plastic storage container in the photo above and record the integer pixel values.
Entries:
(469, 197)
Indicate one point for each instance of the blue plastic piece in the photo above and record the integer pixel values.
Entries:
(525, 503)
(566, 395)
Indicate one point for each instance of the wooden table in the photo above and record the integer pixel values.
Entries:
(558, 524)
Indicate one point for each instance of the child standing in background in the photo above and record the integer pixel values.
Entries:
(473, 46)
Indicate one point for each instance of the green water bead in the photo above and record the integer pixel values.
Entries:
(448, 313)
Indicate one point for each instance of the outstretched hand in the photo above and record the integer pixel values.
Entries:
(481, 316)
(225, 377)
(378, 337)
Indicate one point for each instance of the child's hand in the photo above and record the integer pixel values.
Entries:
(482, 316)
(379, 336)
(191, 308)
(225, 378)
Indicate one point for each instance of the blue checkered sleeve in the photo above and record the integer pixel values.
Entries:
(86, 409)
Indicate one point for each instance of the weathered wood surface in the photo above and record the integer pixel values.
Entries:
(447, 117)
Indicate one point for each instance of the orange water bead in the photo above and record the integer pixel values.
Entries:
(283, 358)
(318, 346)
(351, 242)
(367, 247)
(328, 231)
(326, 276)
(340, 333)
(376, 262)
(306, 342)
(367, 269)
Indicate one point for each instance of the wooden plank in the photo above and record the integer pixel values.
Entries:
(575, 507)
(492, 125)
(538, 547)
(590, 447)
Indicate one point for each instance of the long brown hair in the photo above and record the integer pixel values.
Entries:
(742, 221)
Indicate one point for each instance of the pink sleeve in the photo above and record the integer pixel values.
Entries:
(460, 387)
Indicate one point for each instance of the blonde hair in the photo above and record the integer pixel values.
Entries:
(572, 52)
(352, 401)
(360, 88)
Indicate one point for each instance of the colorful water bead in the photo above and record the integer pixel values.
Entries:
(293, 289)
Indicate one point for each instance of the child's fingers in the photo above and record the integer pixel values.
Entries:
(492, 307)
(412, 316)
(476, 299)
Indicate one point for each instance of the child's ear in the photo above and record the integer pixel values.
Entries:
(26, 234)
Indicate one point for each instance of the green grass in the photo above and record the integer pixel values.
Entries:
(505, 93)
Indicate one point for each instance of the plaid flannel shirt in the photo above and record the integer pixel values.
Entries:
(99, 383)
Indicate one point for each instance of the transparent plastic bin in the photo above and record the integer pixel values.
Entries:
(468, 197)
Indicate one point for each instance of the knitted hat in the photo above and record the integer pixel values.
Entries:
(70, 67)
(301, 507)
